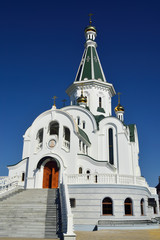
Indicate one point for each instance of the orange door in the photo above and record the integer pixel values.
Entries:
(46, 177)
(50, 175)
(55, 178)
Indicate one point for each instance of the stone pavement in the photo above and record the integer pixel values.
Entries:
(147, 234)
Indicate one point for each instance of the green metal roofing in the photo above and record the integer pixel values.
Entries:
(90, 66)
(84, 135)
(97, 69)
(98, 118)
(87, 65)
(99, 109)
(131, 130)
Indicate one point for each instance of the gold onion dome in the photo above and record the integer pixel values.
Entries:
(119, 108)
(90, 28)
(82, 99)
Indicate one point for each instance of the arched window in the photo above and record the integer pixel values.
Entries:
(83, 145)
(142, 206)
(80, 170)
(100, 102)
(84, 124)
(54, 128)
(107, 206)
(39, 139)
(66, 136)
(88, 174)
(80, 144)
(110, 136)
(128, 206)
(86, 150)
(96, 178)
(78, 120)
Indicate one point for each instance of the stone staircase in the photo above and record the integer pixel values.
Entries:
(131, 223)
(31, 213)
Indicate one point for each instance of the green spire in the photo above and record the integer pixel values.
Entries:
(90, 67)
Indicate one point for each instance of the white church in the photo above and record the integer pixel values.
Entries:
(87, 152)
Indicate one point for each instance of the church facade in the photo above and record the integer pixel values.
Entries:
(89, 149)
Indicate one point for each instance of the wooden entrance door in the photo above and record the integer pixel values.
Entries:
(50, 175)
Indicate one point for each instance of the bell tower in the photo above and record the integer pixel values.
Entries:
(96, 89)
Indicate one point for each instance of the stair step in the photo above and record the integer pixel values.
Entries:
(29, 213)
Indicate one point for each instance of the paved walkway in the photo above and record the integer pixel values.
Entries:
(147, 234)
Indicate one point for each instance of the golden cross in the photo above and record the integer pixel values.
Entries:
(54, 100)
(82, 84)
(90, 20)
(119, 97)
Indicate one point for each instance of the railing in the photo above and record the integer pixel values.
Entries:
(67, 216)
(105, 179)
(8, 183)
(66, 144)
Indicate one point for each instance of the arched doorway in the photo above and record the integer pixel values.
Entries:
(50, 175)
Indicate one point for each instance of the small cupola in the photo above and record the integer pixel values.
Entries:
(82, 101)
(90, 31)
(119, 109)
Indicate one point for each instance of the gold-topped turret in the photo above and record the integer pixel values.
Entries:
(82, 99)
(90, 27)
(119, 107)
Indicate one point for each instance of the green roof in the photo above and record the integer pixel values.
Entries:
(98, 118)
(84, 135)
(87, 65)
(90, 66)
(99, 109)
(97, 69)
(131, 130)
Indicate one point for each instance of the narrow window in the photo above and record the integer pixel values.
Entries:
(84, 125)
(66, 136)
(100, 102)
(83, 148)
(80, 170)
(128, 206)
(111, 157)
(80, 145)
(78, 120)
(142, 206)
(88, 174)
(96, 179)
(73, 202)
(155, 209)
(39, 139)
(23, 176)
(86, 150)
(54, 128)
(107, 208)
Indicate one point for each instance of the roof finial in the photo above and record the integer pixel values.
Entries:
(54, 100)
(90, 20)
(119, 97)
(119, 107)
(82, 84)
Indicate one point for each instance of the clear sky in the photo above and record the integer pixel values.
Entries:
(41, 45)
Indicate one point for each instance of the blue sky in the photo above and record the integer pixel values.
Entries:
(41, 44)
